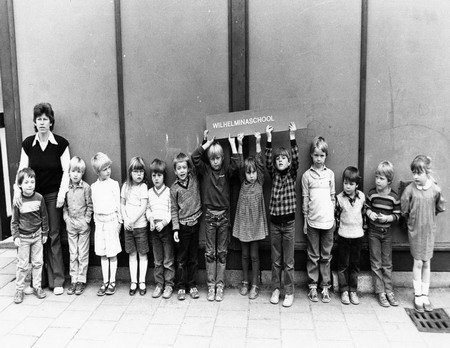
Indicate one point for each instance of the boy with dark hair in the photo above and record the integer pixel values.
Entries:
(350, 213)
(29, 228)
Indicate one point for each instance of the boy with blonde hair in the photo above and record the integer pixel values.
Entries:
(77, 214)
(383, 208)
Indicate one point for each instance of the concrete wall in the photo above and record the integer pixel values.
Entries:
(407, 93)
(303, 54)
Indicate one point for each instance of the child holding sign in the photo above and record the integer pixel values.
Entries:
(250, 224)
(282, 168)
(216, 199)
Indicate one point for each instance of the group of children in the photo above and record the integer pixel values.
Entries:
(173, 215)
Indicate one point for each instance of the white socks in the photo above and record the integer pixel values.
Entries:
(133, 269)
(143, 263)
(425, 289)
(417, 292)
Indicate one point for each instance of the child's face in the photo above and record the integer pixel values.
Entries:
(105, 173)
(28, 185)
(420, 178)
(158, 180)
(251, 176)
(350, 187)
(137, 175)
(216, 162)
(318, 158)
(381, 183)
(282, 162)
(181, 170)
(75, 175)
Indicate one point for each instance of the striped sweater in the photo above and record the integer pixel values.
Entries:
(30, 217)
(387, 204)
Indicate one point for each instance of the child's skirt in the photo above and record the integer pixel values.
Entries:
(107, 229)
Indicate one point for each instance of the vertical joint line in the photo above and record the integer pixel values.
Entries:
(120, 90)
(362, 88)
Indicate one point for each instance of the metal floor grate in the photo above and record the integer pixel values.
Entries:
(435, 321)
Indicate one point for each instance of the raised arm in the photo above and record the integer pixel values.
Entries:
(294, 148)
(268, 150)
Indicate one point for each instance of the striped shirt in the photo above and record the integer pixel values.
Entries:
(283, 199)
(30, 217)
(385, 203)
(158, 207)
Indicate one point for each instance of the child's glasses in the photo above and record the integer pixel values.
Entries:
(138, 171)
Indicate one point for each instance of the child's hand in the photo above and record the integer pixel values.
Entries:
(159, 226)
(292, 130)
(231, 140)
(269, 130)
(292, 127)
(127, 224)
(208, 143)
(44, 239)
(383, 218)
(240, 138)
(17, 242)
(205, 134)
(175, 237)
(152, 225)
(258, 136)
(305, 227)
(372, 215)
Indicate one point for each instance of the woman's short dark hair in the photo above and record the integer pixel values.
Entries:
(44, 109)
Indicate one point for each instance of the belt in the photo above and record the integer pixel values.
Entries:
(379, 229)
(217, 217)
(31, 235)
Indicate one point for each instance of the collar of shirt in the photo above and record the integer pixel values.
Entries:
(80, 184)
(352, 200)
(316, 171)
(51, 138)
(424, 187)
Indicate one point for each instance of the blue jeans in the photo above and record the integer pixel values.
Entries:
(348, 268)
(216, 248)
(187, 256)
(282, 239)
(163, 256)
(53, 259)
(380, 247)
(319, 245)
(29, 248)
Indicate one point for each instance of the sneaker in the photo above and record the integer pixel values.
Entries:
(194, 293)
(79, 289)
(157, 292)
(111, 288)
(219, 294)
(28, 290)
(181, 295)
(254, 291)
(354, 299)
(58, 290)
(71, 289)
(312, 295)
(211, 294)
(382, 300)
(427, 305)
(244, 289)
(275, 298)
(18, 297)
(344, 298)
(168, 290)
(288, 300)
(391, 299)
(102, 290)
(325, 295)
(39, 293)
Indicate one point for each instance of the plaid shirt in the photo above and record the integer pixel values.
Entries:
(283, 199)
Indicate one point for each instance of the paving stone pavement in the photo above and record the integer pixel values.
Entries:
(141, 321)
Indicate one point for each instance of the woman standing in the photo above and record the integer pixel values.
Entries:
(48, 155)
